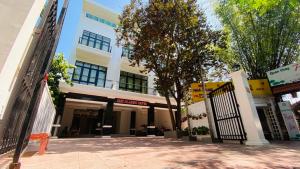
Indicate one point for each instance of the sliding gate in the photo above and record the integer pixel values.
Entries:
(226, 114)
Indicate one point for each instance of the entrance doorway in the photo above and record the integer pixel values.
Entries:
(269, 123)
(84, 123)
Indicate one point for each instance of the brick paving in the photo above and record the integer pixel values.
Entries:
(160, 153)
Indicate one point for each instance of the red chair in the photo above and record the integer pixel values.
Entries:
(43, 138)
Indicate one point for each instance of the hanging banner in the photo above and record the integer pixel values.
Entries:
(284, 75)
(289, 120)
(259, 87)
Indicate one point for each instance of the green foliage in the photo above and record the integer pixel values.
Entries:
(202, 130)
(58, 71)
(175, 42)
(264, 34)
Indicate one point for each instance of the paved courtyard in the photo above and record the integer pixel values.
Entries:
(159, 153)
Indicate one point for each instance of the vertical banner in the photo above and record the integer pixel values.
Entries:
(289, 120)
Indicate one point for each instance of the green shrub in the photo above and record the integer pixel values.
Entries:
(202, 130)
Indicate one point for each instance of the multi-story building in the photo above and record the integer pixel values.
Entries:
(18, 33)
(108, 94)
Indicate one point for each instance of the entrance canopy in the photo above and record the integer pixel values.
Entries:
(92, 93)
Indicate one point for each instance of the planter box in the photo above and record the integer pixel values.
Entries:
(172, 134)
(204, 138)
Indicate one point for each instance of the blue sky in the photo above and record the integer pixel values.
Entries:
(72, 18)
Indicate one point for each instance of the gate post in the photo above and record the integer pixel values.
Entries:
(255, 135)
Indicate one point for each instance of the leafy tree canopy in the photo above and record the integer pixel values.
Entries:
(174, 40)
(58, 71)
(264, 34)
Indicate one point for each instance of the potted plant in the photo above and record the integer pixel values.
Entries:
(203, 134)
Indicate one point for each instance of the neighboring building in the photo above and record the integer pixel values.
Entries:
(19, 21)
(108, 96)
(30, 35)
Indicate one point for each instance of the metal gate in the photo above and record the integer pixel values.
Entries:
(226, 114)
(31, 75)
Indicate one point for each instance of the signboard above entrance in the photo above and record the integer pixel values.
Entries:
(258, 87)
(131, 102)
(284, 75)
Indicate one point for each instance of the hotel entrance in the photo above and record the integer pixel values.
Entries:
(116, 117)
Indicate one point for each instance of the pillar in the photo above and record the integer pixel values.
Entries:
(252, 125)
(99, 123)
(151, 126)
(107, 118)
(132, 123)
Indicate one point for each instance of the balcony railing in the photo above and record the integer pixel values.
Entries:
(114, 85)
(95, 45)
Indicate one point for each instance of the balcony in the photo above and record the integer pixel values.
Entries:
(95, 44)
(115, 85)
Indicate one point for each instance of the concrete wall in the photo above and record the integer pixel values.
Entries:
(125, 122)
(15, 48)
(141, 119)
(162, 119)
(12, 16)
(195, 110)
(67, 118)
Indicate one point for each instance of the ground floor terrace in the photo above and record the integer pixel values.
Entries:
(158, 153)
(87, 111)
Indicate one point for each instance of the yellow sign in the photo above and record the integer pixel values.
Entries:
(258, 88)
(197, 92)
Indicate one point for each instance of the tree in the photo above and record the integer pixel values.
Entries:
(174, 40)
(264, 34)
(58, 71)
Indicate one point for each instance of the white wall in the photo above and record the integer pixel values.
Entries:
(195, 110)
(45, 115)
(115, 63)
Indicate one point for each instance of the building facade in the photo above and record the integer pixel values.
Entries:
(108, 96)
(19, 35)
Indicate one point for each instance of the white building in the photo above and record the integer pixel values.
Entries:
(18, 31)
(108, 94)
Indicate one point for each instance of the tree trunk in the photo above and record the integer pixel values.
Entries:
(170, 111)
(187, 115)
(178, 114)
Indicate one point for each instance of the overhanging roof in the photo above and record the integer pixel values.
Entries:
(112, 94)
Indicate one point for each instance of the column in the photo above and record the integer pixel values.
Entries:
(252, 125)
(132, 123)
(151, 125)
(99, 128)
(107, 118)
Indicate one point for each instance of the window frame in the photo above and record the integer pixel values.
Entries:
(90, 67)
(92, 39)
(132, 86)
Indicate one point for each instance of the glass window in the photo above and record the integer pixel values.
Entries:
(127, 52)
(133, 82)
(89, 74)
(95, 41)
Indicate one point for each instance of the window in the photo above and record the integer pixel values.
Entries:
(127, 52)
(133, 82)
(95, 41)
(89, 74)
(101, 20)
